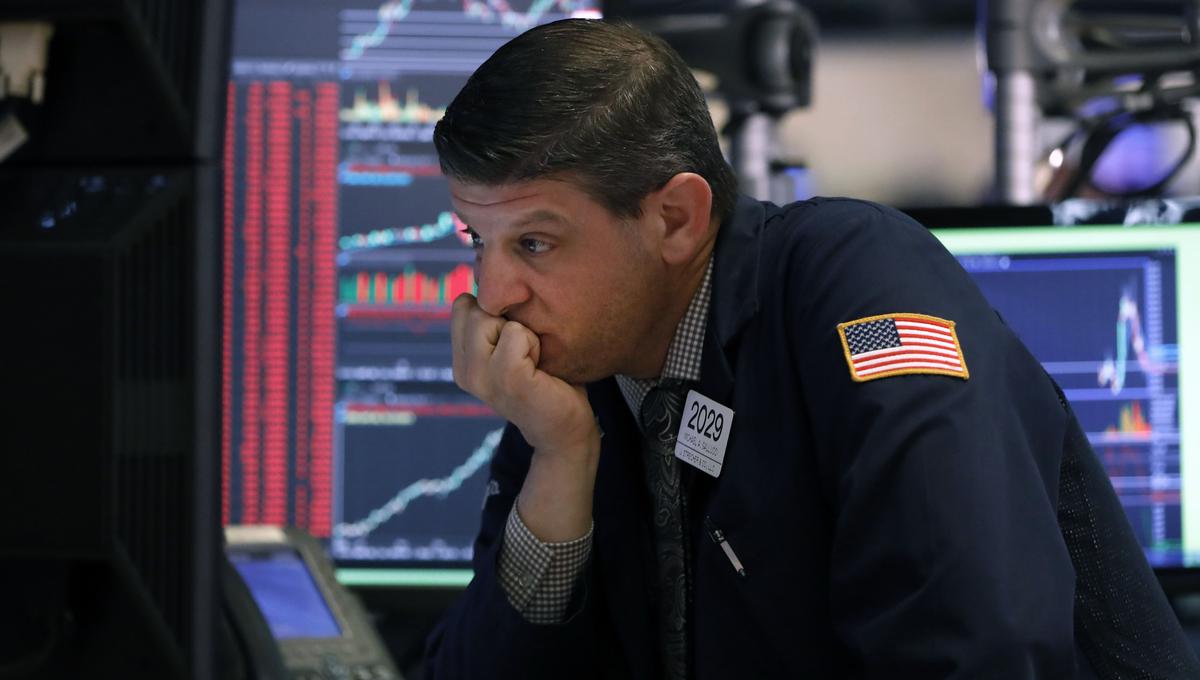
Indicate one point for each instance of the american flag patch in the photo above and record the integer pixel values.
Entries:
(901, 344)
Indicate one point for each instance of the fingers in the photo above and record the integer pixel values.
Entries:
(474, 336)
(512, 371)
(459, 311)
(470, 324)
(470, 339)
(496, 360)
(516, 348)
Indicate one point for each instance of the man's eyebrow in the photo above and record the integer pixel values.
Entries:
(540, 216)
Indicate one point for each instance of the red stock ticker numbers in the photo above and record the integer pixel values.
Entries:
(280, 227)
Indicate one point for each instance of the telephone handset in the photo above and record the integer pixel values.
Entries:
(250, 651)
(292, 617)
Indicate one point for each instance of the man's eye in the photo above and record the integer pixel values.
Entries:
(533, 245)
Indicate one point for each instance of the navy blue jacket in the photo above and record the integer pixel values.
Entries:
(902, 527)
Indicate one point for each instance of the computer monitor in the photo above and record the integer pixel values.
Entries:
(1112, 311)
(342, 257)
(110, 543)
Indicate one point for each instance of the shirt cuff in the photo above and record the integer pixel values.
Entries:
(539, 578)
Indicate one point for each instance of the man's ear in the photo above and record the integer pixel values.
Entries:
(683, 208)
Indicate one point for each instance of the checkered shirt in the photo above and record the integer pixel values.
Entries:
(538, 577)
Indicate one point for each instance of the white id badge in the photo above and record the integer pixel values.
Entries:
(703, 433)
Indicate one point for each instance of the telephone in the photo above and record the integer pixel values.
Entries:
(290, 616)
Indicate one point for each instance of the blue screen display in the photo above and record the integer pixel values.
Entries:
(286, 594)
(1106, 310)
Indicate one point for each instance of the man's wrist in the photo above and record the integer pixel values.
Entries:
(539, 578)
(555, 502)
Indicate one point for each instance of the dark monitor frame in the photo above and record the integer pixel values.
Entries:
(116, 544)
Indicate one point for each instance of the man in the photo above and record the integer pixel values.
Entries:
(843, 502)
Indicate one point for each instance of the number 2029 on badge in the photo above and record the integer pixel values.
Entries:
(703, 433)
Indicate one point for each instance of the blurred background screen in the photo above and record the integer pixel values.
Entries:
(341, 260)
(1110, 311)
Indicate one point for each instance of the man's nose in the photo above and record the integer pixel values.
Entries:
(501, 285)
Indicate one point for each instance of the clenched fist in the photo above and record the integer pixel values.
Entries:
(497, 361)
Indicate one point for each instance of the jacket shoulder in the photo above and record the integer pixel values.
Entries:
(833, 222)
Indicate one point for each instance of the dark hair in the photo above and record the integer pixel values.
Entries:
(604, 104)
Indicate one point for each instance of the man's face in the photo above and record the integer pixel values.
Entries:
(551, 258)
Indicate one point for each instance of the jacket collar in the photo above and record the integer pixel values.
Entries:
(735, 294)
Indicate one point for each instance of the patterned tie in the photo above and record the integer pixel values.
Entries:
(661, 411)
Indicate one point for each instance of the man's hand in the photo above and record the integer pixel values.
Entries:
(496, 360)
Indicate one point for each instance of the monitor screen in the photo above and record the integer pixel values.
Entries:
(283, 587)
(342, 256)
(1109, 312)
